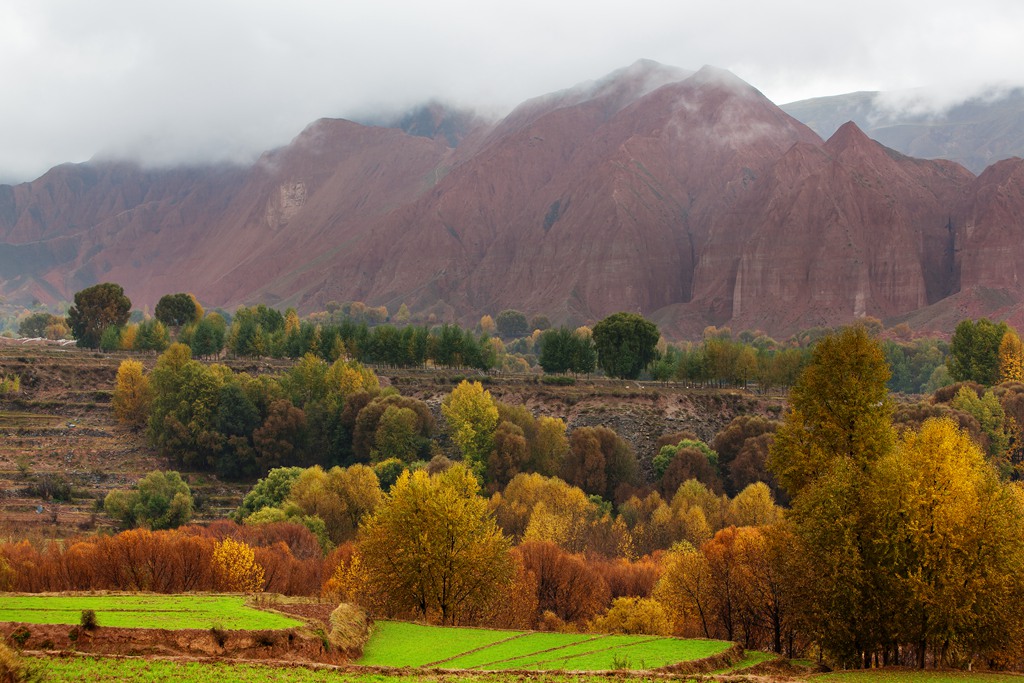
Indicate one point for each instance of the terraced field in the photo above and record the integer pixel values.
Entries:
(171, 612)
(403, 644)
(61, 450)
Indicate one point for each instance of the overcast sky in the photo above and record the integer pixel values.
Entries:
(217, 80)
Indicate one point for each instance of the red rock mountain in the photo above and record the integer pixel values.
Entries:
(689, 197)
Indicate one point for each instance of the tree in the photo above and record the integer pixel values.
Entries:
(472, 418)
(1011, 358)
(974, 351)
(509, 456)
(340, 497)
(175, 310)
(208, 337)
(186, 394)
(37, 324)
(567, 586)
(152, 336)
(132, 394)
(549, 446)
(689, 459)
(840, 409)
(539, 322)
(270, 491)
(563, 350)
(625, 344)
(404, 433)
(636, 616)
(742, 451)
(97, 308)
(279, 441)
(234, 563)
(433, 548)
(954, 546)
(991, 417)
(397, 435)
(566, 511)
(160, 500)
(599, 461)
(839, 425)
(110, 340)
(685, 590)
(511, 324)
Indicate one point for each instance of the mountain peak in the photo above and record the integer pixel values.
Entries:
(848, 136)
(713, 75)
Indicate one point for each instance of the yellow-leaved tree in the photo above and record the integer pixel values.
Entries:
(346, 377)
(684, 590)
(132, 394)
(236, 568)
(432, 548)
(1011, 358)
(472, 417)
(951, 535)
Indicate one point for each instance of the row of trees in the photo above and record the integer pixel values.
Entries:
(622, 345)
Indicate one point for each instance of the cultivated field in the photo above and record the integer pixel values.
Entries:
(403, 644)
(109, 670)
(170, 612)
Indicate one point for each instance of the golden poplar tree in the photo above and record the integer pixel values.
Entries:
(1011, 358)
(132, 394)
(433, 548)
(234, 563)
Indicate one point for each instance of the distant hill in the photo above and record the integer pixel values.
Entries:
(687, 196)
(975, 133)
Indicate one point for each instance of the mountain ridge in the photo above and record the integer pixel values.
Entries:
(686, 196)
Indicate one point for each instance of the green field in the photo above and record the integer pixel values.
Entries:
(396, 643)
(143, 611)
(110, 670)
(402, 644)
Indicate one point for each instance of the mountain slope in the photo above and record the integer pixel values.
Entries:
(686, 196)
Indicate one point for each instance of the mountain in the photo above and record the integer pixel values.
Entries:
(976, 132)
(687, 196)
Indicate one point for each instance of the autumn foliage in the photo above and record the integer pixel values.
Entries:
(235, 566)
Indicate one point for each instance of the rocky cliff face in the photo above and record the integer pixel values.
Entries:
(686, 196)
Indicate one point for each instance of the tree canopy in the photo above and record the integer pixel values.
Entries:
(175, 310)
(974, 351)
(97, 308)
(626, 343)
(433, 548)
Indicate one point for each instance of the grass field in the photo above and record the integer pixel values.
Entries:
(396, 643)
(401, 644)
(108, 670)
(143, 611)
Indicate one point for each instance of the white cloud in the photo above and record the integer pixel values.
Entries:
(197, 81)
